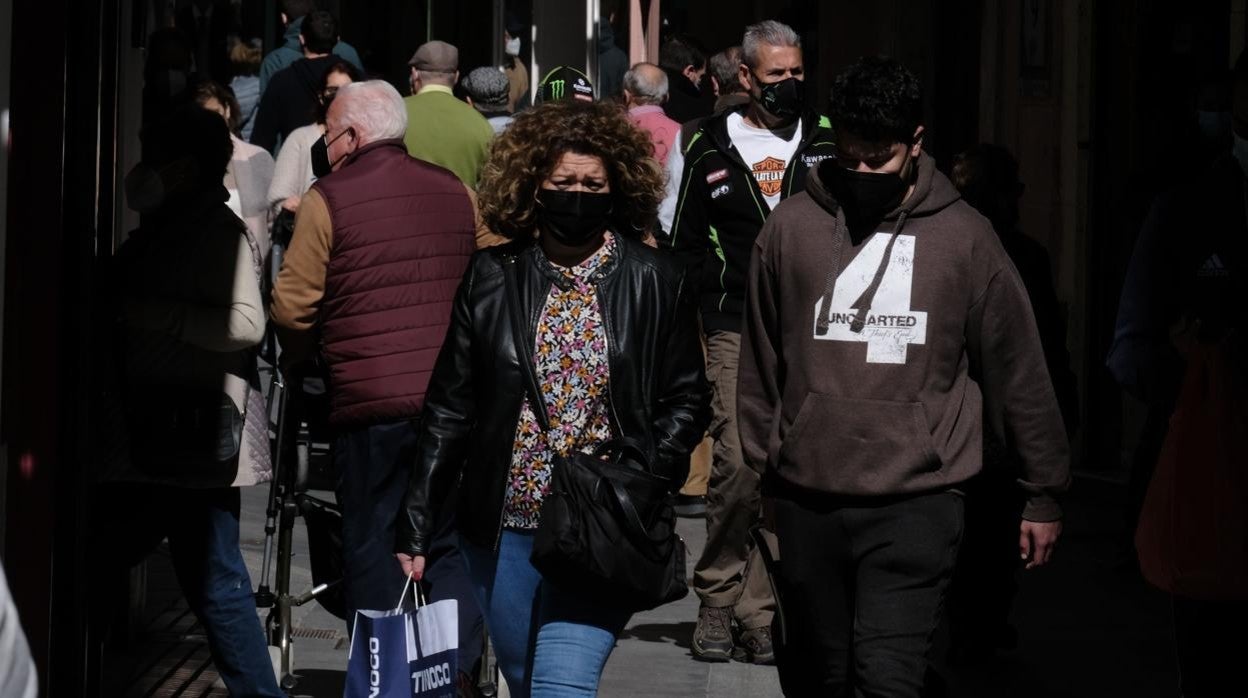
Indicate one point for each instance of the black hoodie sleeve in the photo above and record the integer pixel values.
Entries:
(1019, 403)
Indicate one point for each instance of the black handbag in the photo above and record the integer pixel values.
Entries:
(607, 529)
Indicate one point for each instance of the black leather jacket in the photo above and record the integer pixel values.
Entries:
(658, 395)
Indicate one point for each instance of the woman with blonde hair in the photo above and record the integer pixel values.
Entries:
(571, 338)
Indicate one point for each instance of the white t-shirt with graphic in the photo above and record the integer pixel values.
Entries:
(765, 153)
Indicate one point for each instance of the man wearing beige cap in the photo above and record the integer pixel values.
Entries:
(440, 128)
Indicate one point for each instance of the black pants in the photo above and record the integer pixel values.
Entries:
(983, 589)
(1211, 644)
(374, 464)
(862, 583)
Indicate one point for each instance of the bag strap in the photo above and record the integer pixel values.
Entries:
(511, 286)
(625, 502)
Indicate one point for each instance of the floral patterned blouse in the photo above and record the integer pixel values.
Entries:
(571, 361)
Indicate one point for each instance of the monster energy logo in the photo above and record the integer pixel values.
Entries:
(556, 88)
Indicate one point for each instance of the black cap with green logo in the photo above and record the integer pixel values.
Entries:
(565, 83)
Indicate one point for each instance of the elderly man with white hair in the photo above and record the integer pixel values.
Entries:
(645, 91)
(377, 253)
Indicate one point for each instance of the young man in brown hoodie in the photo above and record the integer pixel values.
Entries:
(884, 326)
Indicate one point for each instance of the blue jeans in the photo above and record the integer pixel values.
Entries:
(202, 528)
(550, 643)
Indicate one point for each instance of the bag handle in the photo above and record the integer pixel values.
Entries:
(403, 596)
(621, 446)
(624, 502)
(419, 595)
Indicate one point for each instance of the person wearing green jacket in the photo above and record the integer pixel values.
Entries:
(441, 128)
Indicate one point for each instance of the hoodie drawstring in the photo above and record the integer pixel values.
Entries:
(834, 270)
(863, 304)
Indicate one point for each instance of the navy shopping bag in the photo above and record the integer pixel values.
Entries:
(404, 653)
(435, 658)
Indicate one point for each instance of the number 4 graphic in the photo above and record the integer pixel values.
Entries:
(890, 326)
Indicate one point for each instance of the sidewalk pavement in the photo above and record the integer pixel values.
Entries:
(1088, 627)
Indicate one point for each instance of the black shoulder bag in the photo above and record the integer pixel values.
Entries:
(607, 528)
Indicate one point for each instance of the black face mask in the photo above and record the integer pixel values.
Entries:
(321, 165)
(866, 197)
(572, 217)
(783, 100)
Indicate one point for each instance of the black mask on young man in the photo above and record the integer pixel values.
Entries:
(321, 165)
(572, 217)
(783, 99)
(866, 197)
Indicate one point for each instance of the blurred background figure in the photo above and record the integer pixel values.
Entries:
(245, 63)
(985, 583)
(1179, 347)
(195, 425)
(645, 91)
(292, 48)
(249, 174)
(290, 99)
(168, 74)
(685, 65)
(612, 61)
(17, 669)
(513, 65)
(208, 24)
(486, 89)
(294, 174)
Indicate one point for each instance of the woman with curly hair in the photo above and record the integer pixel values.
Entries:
(606, 348)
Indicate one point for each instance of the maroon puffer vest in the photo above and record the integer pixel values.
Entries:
(403, 233)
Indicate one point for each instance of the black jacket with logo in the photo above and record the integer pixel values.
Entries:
(720, 210)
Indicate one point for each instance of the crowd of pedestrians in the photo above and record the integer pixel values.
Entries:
(686, 250)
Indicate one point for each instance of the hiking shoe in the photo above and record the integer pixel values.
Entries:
(754, 646)
(712, 638)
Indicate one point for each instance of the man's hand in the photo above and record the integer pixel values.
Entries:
(1036, 541)
(413, 565)
(291, 203)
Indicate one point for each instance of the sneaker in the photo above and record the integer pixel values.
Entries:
(712, 638)
(754, 646)
(690, 506)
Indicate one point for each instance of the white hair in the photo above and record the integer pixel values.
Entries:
(766, 33)
(373, 108)
(647, 83)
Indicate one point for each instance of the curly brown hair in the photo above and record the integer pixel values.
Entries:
(524, 155)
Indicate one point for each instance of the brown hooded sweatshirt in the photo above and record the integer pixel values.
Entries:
(929, 336)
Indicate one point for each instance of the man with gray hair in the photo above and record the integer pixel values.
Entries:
(378, 250)
(488, 92)
(645, 91)
(740, 164)
(440, 128)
